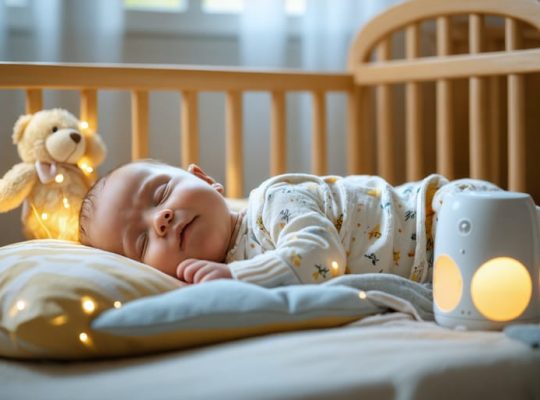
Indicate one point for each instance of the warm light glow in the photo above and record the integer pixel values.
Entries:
(83, 337)
(20, 305)
(501, 289)
(85, 166)
(62, 223)
(335, 268)
(66, 202)
(44, 216)
(88, 305)
(362, 294)
(117, 304)
(83, 125)
(59, 320)
(59, 178)
(447, 283)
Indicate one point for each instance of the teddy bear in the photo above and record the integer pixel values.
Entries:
(50, 182)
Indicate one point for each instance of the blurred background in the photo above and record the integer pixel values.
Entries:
(298, 34)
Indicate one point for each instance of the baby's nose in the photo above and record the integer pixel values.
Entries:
(162, 221)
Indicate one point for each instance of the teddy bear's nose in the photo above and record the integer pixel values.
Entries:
(76, 137)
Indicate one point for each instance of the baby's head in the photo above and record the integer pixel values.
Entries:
(158, 214)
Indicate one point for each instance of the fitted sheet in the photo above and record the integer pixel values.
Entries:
(384, 357)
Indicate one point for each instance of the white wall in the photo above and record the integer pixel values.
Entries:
(114, 118)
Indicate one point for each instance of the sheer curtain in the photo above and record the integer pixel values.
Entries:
(3, 31)
(77, 30)
(319, 40)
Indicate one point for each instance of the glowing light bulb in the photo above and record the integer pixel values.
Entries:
(20, 305)
(66, 202)
(59, 178)
(501, 289)
(447, 283)
(335, 268)
(117, 304)
(85, 167)
(83, 125)
(44, 216)
(83, 337)
(362, 294)
(88, 305)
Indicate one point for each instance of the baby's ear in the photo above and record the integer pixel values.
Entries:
(199, 173)
(219, 188)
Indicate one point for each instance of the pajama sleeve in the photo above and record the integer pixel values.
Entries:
(306, 244)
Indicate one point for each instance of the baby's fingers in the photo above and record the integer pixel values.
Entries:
(202, 272)
(187, 269)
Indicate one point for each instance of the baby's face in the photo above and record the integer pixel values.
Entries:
(160, 215)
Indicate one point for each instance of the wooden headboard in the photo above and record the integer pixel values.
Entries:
(411, 71)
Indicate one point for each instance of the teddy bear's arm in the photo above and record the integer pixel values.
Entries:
(16, 185)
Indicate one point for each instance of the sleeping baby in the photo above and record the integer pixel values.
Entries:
(297, 228)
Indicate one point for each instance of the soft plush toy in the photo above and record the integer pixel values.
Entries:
(50, 182)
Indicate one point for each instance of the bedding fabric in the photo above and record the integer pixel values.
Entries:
(50, 290)
(61, 300)
(397, 359)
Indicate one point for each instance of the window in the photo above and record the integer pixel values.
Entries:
(196, 17)
(156, 5)
(292, 7)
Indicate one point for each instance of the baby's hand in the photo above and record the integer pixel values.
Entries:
(198, 271)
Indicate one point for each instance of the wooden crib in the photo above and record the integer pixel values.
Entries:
(416, 74)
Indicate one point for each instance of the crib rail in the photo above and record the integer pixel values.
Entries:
(379, 70)
(189, 82)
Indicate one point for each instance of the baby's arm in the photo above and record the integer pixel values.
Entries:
(306, 244)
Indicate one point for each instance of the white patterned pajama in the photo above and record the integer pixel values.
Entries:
(302, 228)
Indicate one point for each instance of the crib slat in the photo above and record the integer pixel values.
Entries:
(139, 124)
(494, 130)
(413, 112)
(189, 123)
(444, 109)
(88, 109)
(278, 145)
(354, 132)
(516, 116)
(235, 163)
(33, 100)
(477, 100)
(319, 142)
(385, 125)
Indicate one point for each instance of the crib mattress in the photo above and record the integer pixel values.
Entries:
(393, 359)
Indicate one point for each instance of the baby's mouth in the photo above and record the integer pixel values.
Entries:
(183, 230)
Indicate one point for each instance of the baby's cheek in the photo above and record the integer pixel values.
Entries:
(161, 259)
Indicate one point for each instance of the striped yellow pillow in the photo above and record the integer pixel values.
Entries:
(50, 291)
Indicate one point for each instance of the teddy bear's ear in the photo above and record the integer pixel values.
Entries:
(95, 149)
(19, 127)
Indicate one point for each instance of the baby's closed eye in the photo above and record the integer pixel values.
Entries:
(161, 193)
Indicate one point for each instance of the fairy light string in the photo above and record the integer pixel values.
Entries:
(45, 216)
